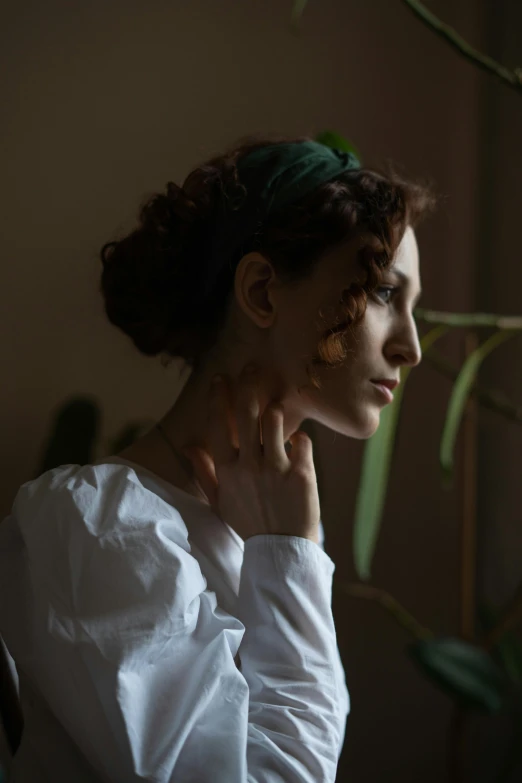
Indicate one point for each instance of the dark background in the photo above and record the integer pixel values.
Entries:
(103, 102)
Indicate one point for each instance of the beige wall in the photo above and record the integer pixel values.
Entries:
(106, 101)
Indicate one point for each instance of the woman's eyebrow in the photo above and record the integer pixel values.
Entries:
(407, 281)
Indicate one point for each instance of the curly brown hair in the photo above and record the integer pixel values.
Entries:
(151, 277)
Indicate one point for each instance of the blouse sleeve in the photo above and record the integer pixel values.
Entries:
(137, 658)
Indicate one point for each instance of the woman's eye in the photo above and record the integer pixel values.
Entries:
(387, 290)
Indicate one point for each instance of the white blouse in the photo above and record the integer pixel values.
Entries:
(152, 644)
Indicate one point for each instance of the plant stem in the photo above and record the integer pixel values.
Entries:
(492, 399)
(403, 617)
(510, 616)
(468, 538)
(512, 78)
(469, 319)
(457, 771)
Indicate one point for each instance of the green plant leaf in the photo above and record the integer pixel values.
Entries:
(72, 435)
(373, 484)
(459, 397)
(297, 10)
(373, 481)
(336, 141)
(431, 337)
(462, 670)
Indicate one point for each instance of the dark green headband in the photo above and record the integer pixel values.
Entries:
(274, 176)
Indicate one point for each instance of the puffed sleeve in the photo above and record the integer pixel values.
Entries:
(136, 659)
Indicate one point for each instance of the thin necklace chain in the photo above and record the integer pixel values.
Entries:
(185, 463)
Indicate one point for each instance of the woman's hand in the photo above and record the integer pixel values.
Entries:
(258, 488)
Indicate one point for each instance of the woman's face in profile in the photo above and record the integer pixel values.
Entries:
(278, 327)
(386, 339)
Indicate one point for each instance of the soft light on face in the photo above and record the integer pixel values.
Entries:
(384, 341)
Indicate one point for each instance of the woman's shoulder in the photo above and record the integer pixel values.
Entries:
(100, 501)
(97, 551)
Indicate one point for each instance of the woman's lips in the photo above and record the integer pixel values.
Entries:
(387, 393)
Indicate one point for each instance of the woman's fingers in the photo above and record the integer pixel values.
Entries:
(273, 437)
(251, 429)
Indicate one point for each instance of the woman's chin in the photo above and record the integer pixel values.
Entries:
(368, 430)
(356, 426)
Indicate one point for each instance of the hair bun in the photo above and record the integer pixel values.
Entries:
(173, 211)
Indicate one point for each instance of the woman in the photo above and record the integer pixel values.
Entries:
(172, 602)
